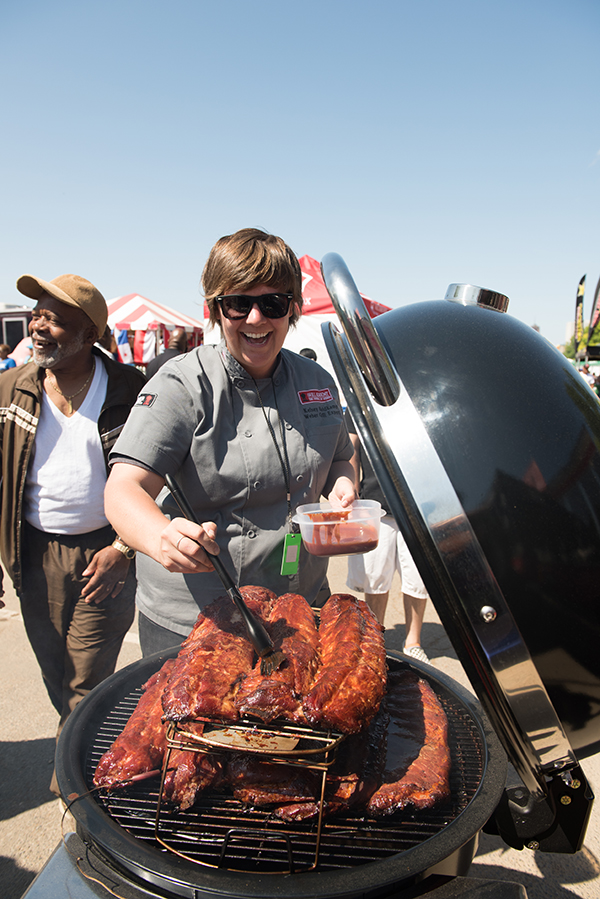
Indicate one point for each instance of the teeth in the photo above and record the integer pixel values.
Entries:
(256, 336)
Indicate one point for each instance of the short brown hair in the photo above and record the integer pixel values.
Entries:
(249, 257)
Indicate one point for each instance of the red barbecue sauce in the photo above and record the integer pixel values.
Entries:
(341, 539)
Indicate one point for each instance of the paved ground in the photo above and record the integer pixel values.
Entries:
(30, 817)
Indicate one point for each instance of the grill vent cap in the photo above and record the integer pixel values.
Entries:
(471, 295)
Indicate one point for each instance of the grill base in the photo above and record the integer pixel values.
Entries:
(62, 875)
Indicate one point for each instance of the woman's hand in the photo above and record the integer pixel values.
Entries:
(343, 493)
(187, 547)
(178, 545)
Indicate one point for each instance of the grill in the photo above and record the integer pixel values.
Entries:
(357, 855)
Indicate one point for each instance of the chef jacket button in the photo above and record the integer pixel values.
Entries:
(251, 533)
(288, 426)
(248, 433)
(257, 485)
(239, 382)
(276, 382)
(299, 477)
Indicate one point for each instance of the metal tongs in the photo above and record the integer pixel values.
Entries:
(270, 660)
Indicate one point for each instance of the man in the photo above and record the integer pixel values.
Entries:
(177, 346)
(60, 414)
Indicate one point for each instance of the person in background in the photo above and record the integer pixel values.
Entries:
(249, 430)
(372, 573)
(587, 375)
(177, 346)
(5, 361)
(107, 343)
(59, 417)
(309, 353)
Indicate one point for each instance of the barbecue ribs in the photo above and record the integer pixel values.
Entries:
(213, 660)
(292, 629)
(190, 772)
(417, 766)
(140, 747)
(351, 682)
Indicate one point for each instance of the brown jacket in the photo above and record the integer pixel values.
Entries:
(20, 403)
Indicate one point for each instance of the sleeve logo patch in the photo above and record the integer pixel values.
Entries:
(145, 399)
(315, 396)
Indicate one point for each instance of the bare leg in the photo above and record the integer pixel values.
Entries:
(378, 604)
(414, 613)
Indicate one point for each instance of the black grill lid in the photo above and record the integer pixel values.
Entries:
(486, 444)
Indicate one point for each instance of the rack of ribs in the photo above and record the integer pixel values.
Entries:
(417, 761)
(213, 660)
(261, 783)
(351, 780)
(351, 681)
(141, 745)
(292, 629)
(191, 772)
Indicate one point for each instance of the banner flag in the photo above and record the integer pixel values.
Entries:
(579, 313)
(144, 347)
(123, 348)
(595, 315)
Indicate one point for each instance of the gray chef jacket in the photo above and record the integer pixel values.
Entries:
(200, 419)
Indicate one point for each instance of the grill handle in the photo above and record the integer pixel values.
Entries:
(373, 359)
(257, 634)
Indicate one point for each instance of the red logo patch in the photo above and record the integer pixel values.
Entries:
(315, 396)
(145, 399)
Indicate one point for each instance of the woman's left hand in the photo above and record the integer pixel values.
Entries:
(343, 493)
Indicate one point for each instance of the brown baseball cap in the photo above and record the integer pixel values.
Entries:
(69, 289)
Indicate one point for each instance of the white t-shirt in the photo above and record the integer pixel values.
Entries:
(64, 492)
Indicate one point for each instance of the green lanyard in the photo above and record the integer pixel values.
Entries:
(290, 558)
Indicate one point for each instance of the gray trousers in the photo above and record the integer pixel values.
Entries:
(76, 644)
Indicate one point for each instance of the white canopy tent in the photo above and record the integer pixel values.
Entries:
(144, 325)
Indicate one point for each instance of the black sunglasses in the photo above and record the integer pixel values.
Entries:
(272, 305)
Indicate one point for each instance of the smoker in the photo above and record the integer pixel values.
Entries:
(486, 444)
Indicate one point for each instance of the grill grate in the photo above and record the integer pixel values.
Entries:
(220, 831)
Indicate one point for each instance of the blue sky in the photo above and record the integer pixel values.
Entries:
(426, 142)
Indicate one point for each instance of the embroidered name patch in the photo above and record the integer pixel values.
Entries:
(315, 396)
(145, 399)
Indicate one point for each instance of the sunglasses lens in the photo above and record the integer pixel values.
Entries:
(272, 305)
(236, 306)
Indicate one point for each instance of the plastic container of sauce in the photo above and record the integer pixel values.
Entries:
(329, 532)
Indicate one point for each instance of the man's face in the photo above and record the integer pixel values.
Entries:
(58, 331)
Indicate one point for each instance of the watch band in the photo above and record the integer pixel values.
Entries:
(127, 551)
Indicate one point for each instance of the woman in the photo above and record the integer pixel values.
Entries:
(249, 430)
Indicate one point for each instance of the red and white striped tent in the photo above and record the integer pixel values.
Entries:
(147, 324)
(316, 309)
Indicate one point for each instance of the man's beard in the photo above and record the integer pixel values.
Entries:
(57, 353)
